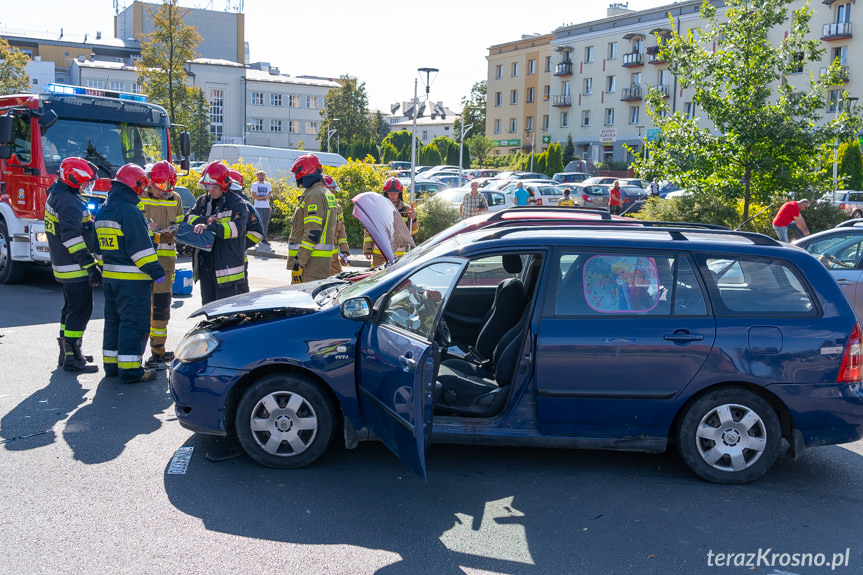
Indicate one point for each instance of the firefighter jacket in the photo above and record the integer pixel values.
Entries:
(369, 246)
(165, 211)
(228, 217)
(341, 234)
(69, 226)
(313, 231)
(127, 252)
(254, 229)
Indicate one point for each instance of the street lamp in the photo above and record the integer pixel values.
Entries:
(461, 148)
(428, 72)
(643, 143)
(531, 136)
(250, 127)
(849, 104)
(330, 132)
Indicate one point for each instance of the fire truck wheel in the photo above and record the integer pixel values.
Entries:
(10, 272)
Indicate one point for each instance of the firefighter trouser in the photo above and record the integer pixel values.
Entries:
(244, 285)
(335, 265)
(77, 309)
(317, 268)
(378, 260)
(212, 291)
(160, 314)
(127, 311)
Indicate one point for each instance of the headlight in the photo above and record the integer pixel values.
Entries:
(196, 346)
(42, 237)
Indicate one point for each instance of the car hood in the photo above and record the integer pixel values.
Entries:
(287, 300)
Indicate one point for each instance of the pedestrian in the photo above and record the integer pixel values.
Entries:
(473, 203)
(262, 191)
(520, 195)
(566, 200)
(254, 229)
(789, 216)
(341, 235)
(313, 225)
(614, 201)
(163, 210)
(130, 267)
(221, 271)
(654, 188)
(69, 226)
(393, 190)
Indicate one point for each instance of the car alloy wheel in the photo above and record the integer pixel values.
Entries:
(284, 421)
(729, 435)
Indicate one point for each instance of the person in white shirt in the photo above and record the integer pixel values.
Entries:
(261, 192)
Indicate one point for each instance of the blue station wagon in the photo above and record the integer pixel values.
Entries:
(726, 345)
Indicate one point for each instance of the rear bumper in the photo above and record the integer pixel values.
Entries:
(824, 414)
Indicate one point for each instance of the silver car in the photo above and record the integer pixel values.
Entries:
(588, 196)
(850, 202)
(841, 251)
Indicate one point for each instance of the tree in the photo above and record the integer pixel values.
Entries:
(346, 111)
(473, 110)
(13, 76)
(379, 127)
(480, 147)
(197, 122)
(766, 132)
(851, 165)
(555, 162)
(388, 153)
(430, 156)
(568, 150)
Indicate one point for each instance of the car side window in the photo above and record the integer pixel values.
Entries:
(749, 286)
(490, 271)
(414, 305)
(838, 251)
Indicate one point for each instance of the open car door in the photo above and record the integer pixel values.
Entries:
(398, 361)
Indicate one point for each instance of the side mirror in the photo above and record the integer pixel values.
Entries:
(185, 145)
(184, 164)
(5, 152)
(48, 119)
(357, 308)
(6, 124)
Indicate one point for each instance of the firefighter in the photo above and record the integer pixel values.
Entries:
(341, 237)
(70, 240)
(393, 191)
(254, 229)
(313, 225)
(130, 267)
(163, 211)
(220, 271)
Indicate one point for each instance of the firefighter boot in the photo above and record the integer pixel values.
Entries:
(73, 360)
(159, 361)
(62, 351)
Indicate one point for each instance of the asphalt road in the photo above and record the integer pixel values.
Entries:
(85, 488)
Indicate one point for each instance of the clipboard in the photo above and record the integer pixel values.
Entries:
(186, 235)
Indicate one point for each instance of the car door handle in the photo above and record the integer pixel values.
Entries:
(408, 362)
(683, 337)
(844, 282)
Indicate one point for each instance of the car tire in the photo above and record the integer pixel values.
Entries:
(857, 214)
(285, 421)
(11, 272)
(730, 435)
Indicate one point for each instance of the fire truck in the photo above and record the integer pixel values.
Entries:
(37, 131)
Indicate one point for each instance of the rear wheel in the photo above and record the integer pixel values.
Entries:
(11, 272)
(729, 435)
(285, 421)
(857, 214)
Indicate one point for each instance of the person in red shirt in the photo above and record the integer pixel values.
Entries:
(614, 200)
(789, 217)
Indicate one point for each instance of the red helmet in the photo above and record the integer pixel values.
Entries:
(331, 184)
(216, 173)
(305, 165)
(237, 180)
(76, 171)
(133, 176)
(393, 185)
(163, 175)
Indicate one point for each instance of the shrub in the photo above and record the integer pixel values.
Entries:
(434, 216)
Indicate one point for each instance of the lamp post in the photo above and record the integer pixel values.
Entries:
(531, 136)
(330, 132)
(849, 105)
(461, 148)
(249, 129)
(643, 144)
(427, 72)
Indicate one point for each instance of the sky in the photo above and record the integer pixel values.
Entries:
(382, 43)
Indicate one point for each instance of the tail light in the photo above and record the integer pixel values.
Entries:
(539, 201)
(842, 206)
(586, 198)
(852, 362)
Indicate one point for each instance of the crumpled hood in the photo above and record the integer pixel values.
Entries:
(296, 300)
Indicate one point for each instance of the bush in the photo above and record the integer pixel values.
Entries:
(434, 216)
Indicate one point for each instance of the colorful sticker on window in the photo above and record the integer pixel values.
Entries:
(616, 284)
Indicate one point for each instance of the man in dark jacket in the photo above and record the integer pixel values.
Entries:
(69, 226)
(130, 266)
(221, 271)
(254, 227)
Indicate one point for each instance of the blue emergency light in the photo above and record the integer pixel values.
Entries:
(66, 89)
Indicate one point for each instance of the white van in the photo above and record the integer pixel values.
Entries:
(276, 162)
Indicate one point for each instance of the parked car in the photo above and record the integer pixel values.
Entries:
(423, 189)
(500, 183)
(675, 194)
(399, 165)
(850, 202)
(453, 196)
(586, 195)
(601, 180)
(841, 251)
(482, 173)
(719, 343)
(570, 177)
(633, 197)
(641, 183)
(451, 180)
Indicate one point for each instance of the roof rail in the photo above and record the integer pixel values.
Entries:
(498, 215)
(850, 223)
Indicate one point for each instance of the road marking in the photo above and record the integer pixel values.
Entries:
(180, 461)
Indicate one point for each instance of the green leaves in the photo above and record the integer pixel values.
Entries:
(13, 77)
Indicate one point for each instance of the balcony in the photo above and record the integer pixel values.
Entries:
(563, 69)
(561, 101)
(843, 75)
(633, 59)
(663, 90)
(630, 94)
(653, 56)
(836, 31)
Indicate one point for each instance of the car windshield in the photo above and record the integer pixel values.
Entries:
(549, 191)
(592, 190)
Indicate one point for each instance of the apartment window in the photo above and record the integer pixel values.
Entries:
(796, 63)
(611, 84)
(585, 117)
(531, 67)
(498, 98)
(609, 116)
(513, 96)
(608, 153)
(98, 84)
(216, 97)
(612, 50)
(843, 13)
(294, 127)
(497, 126)
(275, 99)
(499, 72)
(840, 53)
(636, 79)
(257, 125)
(312, 102)
(515, 69)
(257, 98)
(529, 124)
(545, 122)
(548, 63)
(136, 88)
(663, 77)
(513, 125)
(564, 119)
(588, 53)
(689, 110)
(311, 127)
(531, 94)
(567, 88)
(835, 96)
(588, 86)
(116, 86)
(638, 45)
(293, 101)
(633, 114)
(546, 93)
(275, 125)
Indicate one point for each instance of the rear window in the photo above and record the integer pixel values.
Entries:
(749, 286)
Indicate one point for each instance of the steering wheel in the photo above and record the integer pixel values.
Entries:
(443, 335)
(836, 261)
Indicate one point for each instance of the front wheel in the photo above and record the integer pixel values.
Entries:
(11, 272)
(285, 421)
(729, 435)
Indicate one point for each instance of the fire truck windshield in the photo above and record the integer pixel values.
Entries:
(107, 145)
